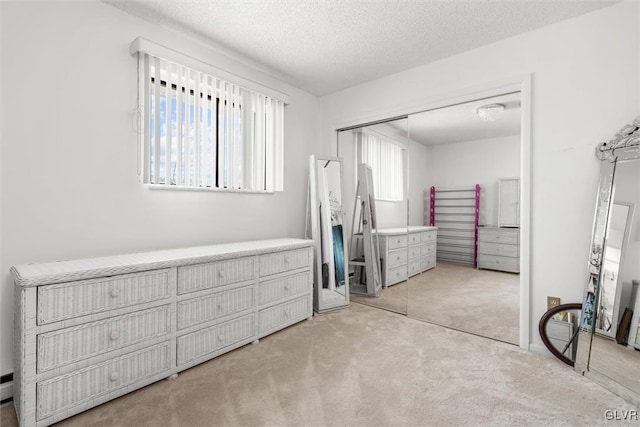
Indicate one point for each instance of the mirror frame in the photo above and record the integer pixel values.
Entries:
(624, 146)
(318, 304)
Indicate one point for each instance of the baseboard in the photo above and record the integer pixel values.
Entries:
(540, 349)
(6, 389)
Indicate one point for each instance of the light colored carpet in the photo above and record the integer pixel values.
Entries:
(615, 361)
(393, 298)
(365, 367)
(483, 302)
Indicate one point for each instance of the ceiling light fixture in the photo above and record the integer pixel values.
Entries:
(490, 112)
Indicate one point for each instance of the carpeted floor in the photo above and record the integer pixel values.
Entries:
(482, 302)
(616, 361)
(364, 367)
(393, 298)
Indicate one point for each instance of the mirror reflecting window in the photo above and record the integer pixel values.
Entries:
(378, 204)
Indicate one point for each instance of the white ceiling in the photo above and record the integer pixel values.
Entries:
(326, 46)
(460, 123)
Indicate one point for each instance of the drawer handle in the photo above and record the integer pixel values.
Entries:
(398, 240)
(286, 313)
(221, 338)
(286, 288)
(221, 274)
(219, 306)
(398, 257)
(114, 335)
(115, 292)
(114, 376)
(286, 259)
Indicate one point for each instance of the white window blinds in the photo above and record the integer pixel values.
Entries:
(201, 131)
(386, 159)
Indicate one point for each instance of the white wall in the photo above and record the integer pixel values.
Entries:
(69, 183)
(585, 87)
(418, 178)
(465, 164)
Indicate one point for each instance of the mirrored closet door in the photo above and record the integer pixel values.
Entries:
(375, 197)
(464, 169)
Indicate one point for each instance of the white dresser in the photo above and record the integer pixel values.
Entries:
(91, 330)
(406, 251)
(499, 248)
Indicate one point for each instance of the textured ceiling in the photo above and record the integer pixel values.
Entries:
(460, 122)
(326, 46)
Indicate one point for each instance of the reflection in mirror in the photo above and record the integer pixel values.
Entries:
(615, 346)
(327, 229)
(464, 181)
(559, 331)
(382, 147)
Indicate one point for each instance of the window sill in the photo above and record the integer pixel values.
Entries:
(204, 189)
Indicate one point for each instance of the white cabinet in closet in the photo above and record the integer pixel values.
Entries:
(88, 331)
(499, 248)
(509, 202)
(405, 252)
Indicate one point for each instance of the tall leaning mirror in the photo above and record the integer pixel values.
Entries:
(375, 159)
(327, 215)
(609, 337)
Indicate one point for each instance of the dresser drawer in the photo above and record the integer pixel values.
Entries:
(428, 262)
(415, 252)
(215, 338)
(395, 242)
(499, 263)
(396, 275)
(499, 235)
(277, 289)
(498, 249)
(414, 267)
(396, 258)
(284, 314)
(214, 306)
(429, 236)
(428, 249)
(284, 261)
(73, 344)
(415, 238)
(67, 391)
(204, 276)
(84, 297)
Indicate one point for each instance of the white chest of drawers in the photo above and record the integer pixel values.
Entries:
(499, 248)
(406, 252)
(88, 331)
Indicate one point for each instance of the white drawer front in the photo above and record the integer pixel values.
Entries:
(274, 290)
(396, 258)
(66, 391)
(429, 236)
(204, 276)
(395, 242)
(428, 262)
(414, 267)
(428, 249)
(214, 306)
(499, 235)
(284, 261)
(498, 249)
(74, 299)
(395, 275)
(279, 316)
(499, 263)
(215, 338)
(415, 252)
(415, 238)
(73, 344)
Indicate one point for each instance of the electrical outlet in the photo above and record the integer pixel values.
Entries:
(552, 302)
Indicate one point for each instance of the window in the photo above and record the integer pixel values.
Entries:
(386, 158)
(203, 132)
